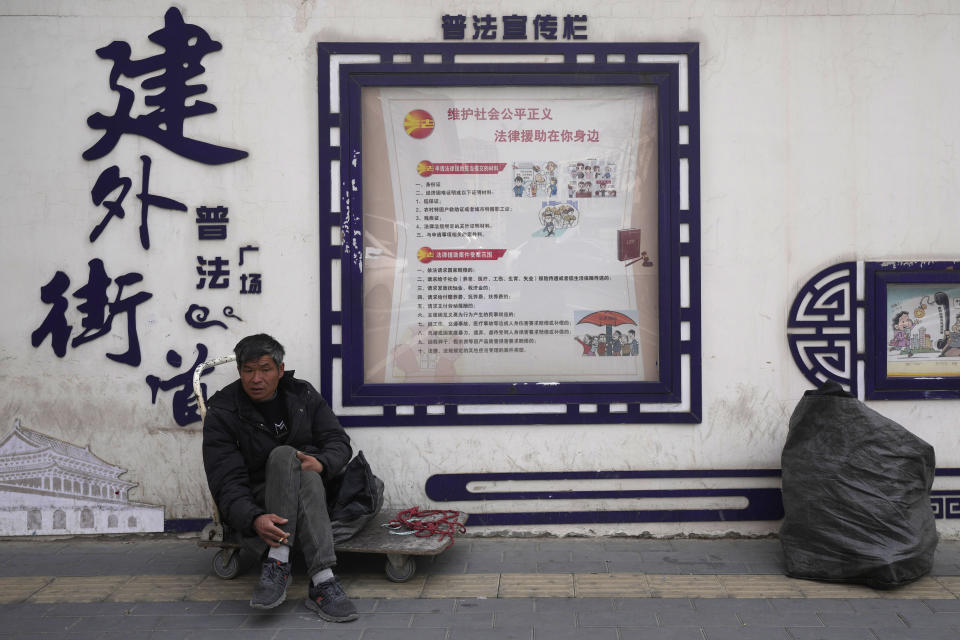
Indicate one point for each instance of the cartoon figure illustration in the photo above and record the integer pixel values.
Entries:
(556, 217)
(601, 345)
(518, 186)
(594, 345)
(625, 345)
(550, 168)
(548, 224)
(613, 349)
(952, 346)
(537, 182)
(902, 324)
(553, 186)
(634, 343)
(568, 215)
(588, 344)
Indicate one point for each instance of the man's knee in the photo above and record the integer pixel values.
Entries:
(283, 457)
(311, 487)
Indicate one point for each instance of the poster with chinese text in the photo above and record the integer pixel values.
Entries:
(510, 234)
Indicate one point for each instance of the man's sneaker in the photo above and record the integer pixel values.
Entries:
(330, 602)
(271, 591)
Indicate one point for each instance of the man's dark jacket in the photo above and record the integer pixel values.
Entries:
(236, 444)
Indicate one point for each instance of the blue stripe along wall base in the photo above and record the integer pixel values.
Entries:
(763, 504)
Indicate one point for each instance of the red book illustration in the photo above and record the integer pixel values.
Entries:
(628, 244)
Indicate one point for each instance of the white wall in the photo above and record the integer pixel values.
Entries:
(827, 134)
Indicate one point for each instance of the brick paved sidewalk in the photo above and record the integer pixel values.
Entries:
(607, 588)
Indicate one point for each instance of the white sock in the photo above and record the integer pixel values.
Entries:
(280, 554)
(324, 575)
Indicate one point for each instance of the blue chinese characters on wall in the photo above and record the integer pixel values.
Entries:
(98, 310)
(484, 27)
(170, 95)
(110, 181)
(184, 47)
(185, 410)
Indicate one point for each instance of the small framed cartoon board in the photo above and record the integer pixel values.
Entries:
(885, 330)
(915, 330)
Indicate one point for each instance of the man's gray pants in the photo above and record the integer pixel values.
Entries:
(300, 497)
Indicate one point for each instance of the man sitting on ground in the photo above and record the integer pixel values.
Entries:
(269, 443)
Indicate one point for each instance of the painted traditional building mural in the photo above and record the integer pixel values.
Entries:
(48, 486)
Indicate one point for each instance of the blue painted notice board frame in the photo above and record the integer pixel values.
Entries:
(345, 69)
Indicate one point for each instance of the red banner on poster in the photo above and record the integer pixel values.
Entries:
(426, 168)
(426, 254)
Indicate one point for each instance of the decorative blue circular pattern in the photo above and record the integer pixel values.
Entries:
(822, 327)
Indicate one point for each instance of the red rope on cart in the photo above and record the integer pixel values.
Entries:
(435, 522)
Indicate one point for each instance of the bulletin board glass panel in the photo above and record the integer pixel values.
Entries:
(495, 240)
(515, 236)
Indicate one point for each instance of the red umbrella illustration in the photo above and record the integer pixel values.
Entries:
(606, 319)
(609, 320)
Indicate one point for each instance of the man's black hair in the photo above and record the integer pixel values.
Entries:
(256, 346)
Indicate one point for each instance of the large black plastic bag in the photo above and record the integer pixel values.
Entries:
(856, 494)
(354, 497)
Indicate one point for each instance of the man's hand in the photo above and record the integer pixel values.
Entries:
(266, 527)
(309, 463)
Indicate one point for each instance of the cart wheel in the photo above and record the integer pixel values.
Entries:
(226, 564)
(400, 568)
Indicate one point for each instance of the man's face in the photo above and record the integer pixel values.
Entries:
(260, 378)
